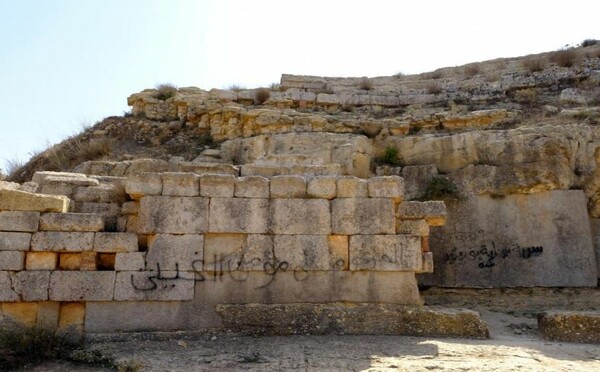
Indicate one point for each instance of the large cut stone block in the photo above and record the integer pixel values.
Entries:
(352, 187)
(385, 253)
(175, 252)
(15, 200)
(363, 216)
(32, 285)
(62, 241)
(412, 227)
(100, 194)
(154, 286)
(180, 184)
(22, 313)
(570, 326)
(239, 215)
(72, 316)
(173, 215)
(115, 242)
(434, 212)
(142, 184)
(237, 252)
(288, 187)
(71, 222)
(12, 260)
(130, 261)
(7, 293)
(534, 240)
(14, 241)
(300, 216)
(82, 285)
(386, 187)
(251, 187)
(217, 185)
(19, 221)
(322, 187)
(41, 260)
(311, 252)
(69, 261)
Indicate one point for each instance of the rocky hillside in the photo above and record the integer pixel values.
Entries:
(515, 125)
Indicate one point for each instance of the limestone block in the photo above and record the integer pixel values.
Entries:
(88, 261)
(23, 313)
(363, 216)
(40, 176)
(115, 242)
(62, 241)
(434, 212)
(14, 241)
(322, 187)
(71, 222)
(15, 200)
(69, 261)
(65, 185)
(130, 208)
(99, 194)
(32, 285)
(154, 286)
(130, 261)
(217, 185)
(352, 187)
(48, 314)
(386, 187)
(570, 326)
(180, 184)
(72, 316)
(239, 215)
(311, 252)
(41, 261)
(5, 185)
(19, 221)
(7, 293)
(82, 285)
(251, 187)
(143, 184)
(385, 253)
(288, 187)
(139, 166)
(300, 216)
(233, 253)
(12, 260)
(175, 252)
(173, 215)
(208, 168)
(412, 227)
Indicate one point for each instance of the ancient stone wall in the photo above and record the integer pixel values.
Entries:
(159, 251)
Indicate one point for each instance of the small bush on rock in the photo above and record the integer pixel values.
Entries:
(533, 64)
(389, 157)
(165, 91)
(365, 84)
(261, 96)
(472, 69)
(434, 88)
(440, 187)
(564, 57)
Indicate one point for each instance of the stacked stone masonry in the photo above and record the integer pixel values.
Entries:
(205, 239)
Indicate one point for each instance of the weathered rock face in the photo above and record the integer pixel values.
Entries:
(570, 326)
(541, 239)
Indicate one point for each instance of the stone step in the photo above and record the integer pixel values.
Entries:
(570, 326)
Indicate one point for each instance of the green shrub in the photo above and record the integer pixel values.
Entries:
(165, 91)
(389, 157)
(440, 187)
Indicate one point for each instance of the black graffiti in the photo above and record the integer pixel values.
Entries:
(486, 256)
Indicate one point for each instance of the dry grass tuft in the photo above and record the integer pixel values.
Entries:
(365, 84)
(534, 64)
(64, 156)
(472, 69)
(165, 91)
(433, 75)
(261, 95)
(434, 88)
(565, 57)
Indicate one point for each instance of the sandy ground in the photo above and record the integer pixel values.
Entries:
(515, 345)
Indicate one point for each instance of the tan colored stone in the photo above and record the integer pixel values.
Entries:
(62, 241)
(147, 285)
(217, 185)
(288, 187)
(175, 252)
(23, 313)
(69, 261)
(100, 194)
(39, 177)
(14, 241)
(363, 216)
(71, 222)
(310, 252)
(106, 261)
(300, 216)
(239, 215)
(130, 208)
(19, 221)
(386, 187)
(412, 227)
(81, 285)
(570, 326)
(434, 212)
(72, 315)
(130, 261)
(115, 242)
(251, 187)
(41, 261)
(142, 184)
(322, 187)
(48, 314)
(352, 187)
(88, 261)
(173, 215)
(237, 252)
(180, 184)
(385, 252)
(12, 260)
(14, 200)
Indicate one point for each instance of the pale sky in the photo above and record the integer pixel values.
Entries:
(69, 63)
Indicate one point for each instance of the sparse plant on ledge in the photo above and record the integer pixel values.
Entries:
(434, 88)
(533, 64)
(389, 157)
(365, 84)
(261, 95)
(564, 57)
(472, 69)
(440, 187)
(165, 91)
(235, 88)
